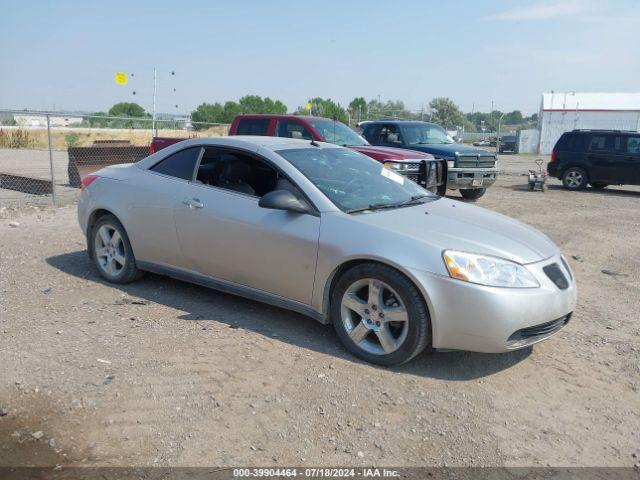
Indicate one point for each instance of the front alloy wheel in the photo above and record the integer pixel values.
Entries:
(379, 314)
(374, 316)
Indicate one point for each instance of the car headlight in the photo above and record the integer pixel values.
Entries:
(450, 163)
(486, 270)
(393, 165)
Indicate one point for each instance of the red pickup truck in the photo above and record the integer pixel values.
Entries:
(420, 167)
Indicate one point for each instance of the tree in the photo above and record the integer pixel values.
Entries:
(446, 113)
(388, 109)
(325, 107)
(219, 113)
(127, 109)
(358, 109)
(513, 118)
(256, 104)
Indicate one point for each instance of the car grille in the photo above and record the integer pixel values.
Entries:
(556, 276)
(476, 161)
(413, 166)
(537, 331)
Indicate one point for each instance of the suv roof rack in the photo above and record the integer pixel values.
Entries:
(602, 130)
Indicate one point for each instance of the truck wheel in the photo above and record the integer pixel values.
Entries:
(574, 178)
(472, 193)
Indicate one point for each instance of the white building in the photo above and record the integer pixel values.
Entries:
(27, 120)
(566, 111)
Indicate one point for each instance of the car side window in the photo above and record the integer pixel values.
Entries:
(389, 134)
(179, 165)
(253, 126)
(240, 172)
(598, 143)
(292, 129)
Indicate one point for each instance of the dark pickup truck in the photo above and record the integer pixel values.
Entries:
(470, 170)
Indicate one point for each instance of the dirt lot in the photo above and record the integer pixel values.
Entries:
(165, 373)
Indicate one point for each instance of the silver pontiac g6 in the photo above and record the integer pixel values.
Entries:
(332, 234)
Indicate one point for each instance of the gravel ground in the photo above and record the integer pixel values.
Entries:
(165, 373)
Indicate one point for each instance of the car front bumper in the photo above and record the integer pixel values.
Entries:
(467, 316)
(464, 178)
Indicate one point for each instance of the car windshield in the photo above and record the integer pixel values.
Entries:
(337, 133)
(355, 182)
(424, 133)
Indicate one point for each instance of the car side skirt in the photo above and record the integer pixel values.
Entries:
(232, 288)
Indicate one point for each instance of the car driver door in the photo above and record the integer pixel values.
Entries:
(223, 233)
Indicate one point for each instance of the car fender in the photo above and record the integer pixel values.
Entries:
(326, 284)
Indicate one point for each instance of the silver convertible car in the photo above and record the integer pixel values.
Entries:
(332, 234)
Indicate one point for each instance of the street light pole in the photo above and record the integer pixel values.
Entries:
(498, 134)
(155, 84)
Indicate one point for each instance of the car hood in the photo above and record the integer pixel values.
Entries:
(449, 224)
(390, 152)
(449, 150)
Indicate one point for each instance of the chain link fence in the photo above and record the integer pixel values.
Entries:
(45, 155)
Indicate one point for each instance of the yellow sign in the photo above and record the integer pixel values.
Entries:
(309, 106)
(121, 78)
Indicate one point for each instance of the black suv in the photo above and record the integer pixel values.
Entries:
(508, 144)
(596, 157)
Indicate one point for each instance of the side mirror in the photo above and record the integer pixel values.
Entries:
(283, 200)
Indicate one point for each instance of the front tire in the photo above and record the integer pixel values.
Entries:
(574, 178)
(472, 193)
(111, 251)
(380, 315)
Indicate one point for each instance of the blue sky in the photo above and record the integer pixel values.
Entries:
(65, 53)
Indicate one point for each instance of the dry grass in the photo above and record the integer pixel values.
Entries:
(84, 137)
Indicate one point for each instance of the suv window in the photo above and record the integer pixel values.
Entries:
(389, 134)
(253, 126)
(180, 165)
(598, 143)
(292, 129)
(239, 172)
(576, 142)
(633, 144)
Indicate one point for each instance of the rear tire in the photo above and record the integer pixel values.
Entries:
(111, 251)
(472, 193)
(575, 178)
(380, 315)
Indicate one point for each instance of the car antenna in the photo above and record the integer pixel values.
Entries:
(314, 143)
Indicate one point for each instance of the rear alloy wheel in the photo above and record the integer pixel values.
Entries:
(111, 251)
(574, 178)
(472, 193)
(379, 315)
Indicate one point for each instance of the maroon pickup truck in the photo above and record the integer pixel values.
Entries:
(422, 168)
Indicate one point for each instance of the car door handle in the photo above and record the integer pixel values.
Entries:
(193, 203)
